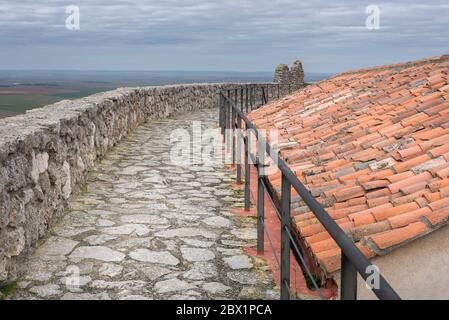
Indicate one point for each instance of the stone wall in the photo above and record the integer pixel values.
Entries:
(46, 154)
(293, 76)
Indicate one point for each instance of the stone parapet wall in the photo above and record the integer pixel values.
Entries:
(46, 154)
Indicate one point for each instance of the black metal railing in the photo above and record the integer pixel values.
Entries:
(252, 96)
(232, 116)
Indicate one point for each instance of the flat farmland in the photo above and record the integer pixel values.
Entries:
(22, 90)
(19, 103)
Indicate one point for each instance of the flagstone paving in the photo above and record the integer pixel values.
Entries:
(147, 228)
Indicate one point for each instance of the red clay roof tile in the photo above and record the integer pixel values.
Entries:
(443, 173)
(367, 252)
(410, 197)
(411, 189)
(388, 213)
(438, 151)
(411, 151)
(330, 260)
(395, 187)
(343, 212)
(432, 197)
(363, 219)
(349, 193)
(361, 231)
(395, 237)
(407, 218)
(400, 176)
(439, 204)
(444, 192)
(374, 202)
(434, 186)
(407, 165)
(437, 217)
(318, 237)
(323, 245)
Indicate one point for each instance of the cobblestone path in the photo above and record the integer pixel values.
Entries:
(144, 228)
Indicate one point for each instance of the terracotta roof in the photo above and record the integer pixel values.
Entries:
(373, 147)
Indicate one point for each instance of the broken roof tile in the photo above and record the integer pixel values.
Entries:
(437, 217)
(398, 236)
(407, 218)
(407, 165)
(361, 231)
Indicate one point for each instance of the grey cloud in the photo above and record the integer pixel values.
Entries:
(226, 33)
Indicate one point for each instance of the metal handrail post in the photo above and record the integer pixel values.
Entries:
(239, 149)
(247, 168)
(241, 99)
(232, 132)
(246, 99)
(228, 126)
(285, 240)
(251, 96)
(348, 284)
(220, 112)
(262, 93)
(260, 197)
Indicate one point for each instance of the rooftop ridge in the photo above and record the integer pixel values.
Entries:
(398, 66)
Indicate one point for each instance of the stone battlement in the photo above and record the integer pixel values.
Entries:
(293, 76)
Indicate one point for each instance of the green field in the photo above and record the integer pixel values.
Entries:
(83, 92)
(21, 103)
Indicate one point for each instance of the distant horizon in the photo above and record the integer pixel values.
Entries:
(330, 72)
(22, 89)
(132, 70)
(153, 70)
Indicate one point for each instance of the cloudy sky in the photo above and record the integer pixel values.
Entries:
(233, 35)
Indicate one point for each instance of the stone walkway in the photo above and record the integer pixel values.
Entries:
(144, 228)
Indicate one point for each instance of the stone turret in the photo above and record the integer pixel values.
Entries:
(293, 76)
(297, 74)
(282, 74)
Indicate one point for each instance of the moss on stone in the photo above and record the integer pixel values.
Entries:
(7, 288)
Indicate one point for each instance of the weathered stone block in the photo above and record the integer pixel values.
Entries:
(15, 242)
(39, 164)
